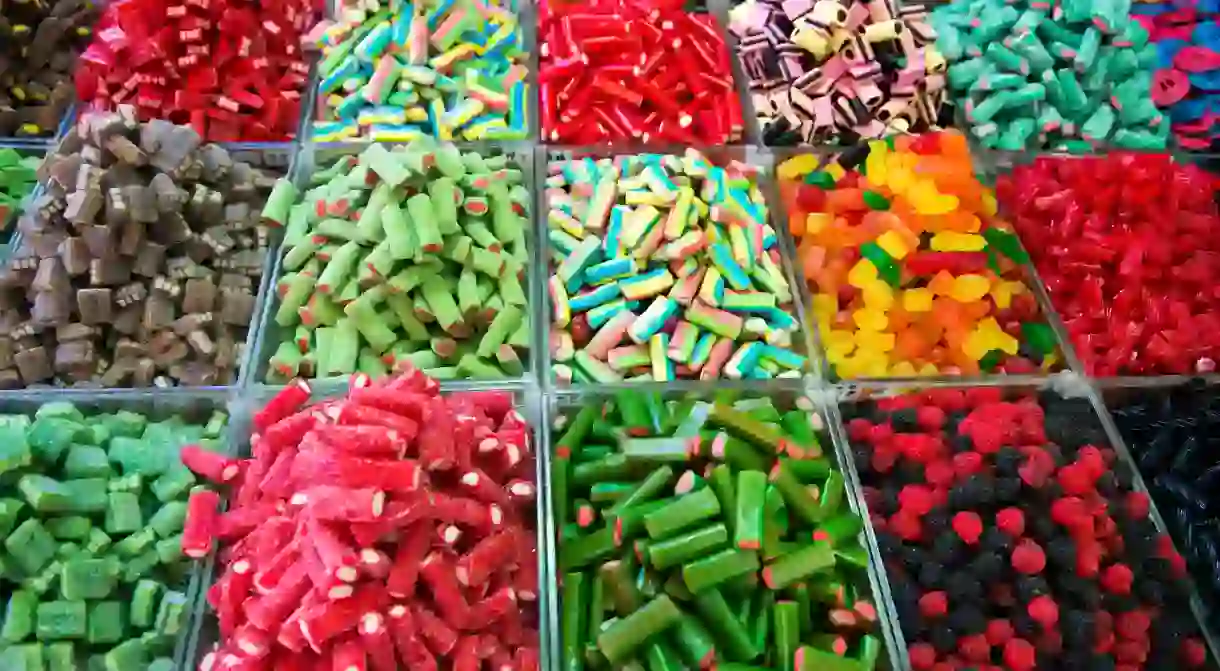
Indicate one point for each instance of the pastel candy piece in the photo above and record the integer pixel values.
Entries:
(1188, 110)
(1197, 59)
(1207, 33)
(1169, 86)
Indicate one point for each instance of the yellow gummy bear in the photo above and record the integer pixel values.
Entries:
(929, 369)
(836, 171)
(875, 164)
(862, 274)
(840, 340)
(952, 241)
(797, 166)
(893, 244)
(870, 320)
(878, 295)
(1001, 293)
(825, 304)
(977, 344)
(902, 369)
(917, 300)
(989, 203)
(969, 288)
(816, 221)
(874, 341)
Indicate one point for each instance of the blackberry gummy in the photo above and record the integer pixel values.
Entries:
(1013, 539)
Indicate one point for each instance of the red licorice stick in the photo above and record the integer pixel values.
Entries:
(634, 71)
(285, 403)
(199, 529)
(209, 465)
(232, 70)
(330, 520)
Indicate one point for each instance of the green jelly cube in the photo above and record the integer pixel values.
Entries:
(73, 527)
(170, 613)
(14, 449)
(19, 616)
(50, 437)
(173, 484)
(87, 579)
(123, 513)
(9, 509)
(97, 541)
(136, 543)
(126, 656)
(135, 455)
(124, 423)
(168, 520)
(161, 664)
(59, 409)
(44, 494)
(107, 622)
(87, 461)
(61, 620)
(30, 546)
(144, 603)
(88, 494)
(61, 657)
(138, 567)
(29, 657)
(170, 550)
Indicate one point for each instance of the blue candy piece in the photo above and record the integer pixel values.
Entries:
(1208, 81)
(1208, 6)
(1151, 9)
(1166, 50)
(1186, 111)
(1207, 34)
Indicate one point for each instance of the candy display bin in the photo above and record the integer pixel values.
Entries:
(674, 412)
(550, 166)
(272, 157)
(804, 178)
(323, 154)
(1131, 299)
(526, 402)
(1068, 562)
(191, 406)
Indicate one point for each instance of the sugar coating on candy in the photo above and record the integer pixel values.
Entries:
(1073, 80)
(634, 71)
(912, 270)
(18, 175)
(95, 518)
(1137, 252)
(404, 70)
(140, 263)
(1185, 83)
(825, 71)
(1040, 588)
(765, 524)
(412, 254)
(39, 44)
(352, 532)
(233, 71)
(665, 267)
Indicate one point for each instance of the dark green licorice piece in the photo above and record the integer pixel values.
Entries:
(574, 618)
(720, 567)
(619, 641)
(683, 512)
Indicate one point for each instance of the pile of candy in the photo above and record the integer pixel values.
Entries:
(1187, 78)
(18, 174)
(95, 519)
(1172, 436)
(697, 535)
(233, 70)
(139, 265)
(836, 72)
(39, 43)
(665, 267)
(1074, 80)
(390, 525)
(911, 270)
(645, 71)
(1012, 536)
(416, 254)
(450, 70)
(1127, 246)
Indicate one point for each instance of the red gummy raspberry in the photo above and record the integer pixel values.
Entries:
(1037, 468)
(1133, 624)
(1050, 641)
(968, 526)
(1136, 504)
(1028, 558)
(974, 648)
(1131, 652)
(1071, 512)
(966, 464)
(859, 430)
(1011, 521)
(979, 396)
(1044, 611)
(934, 604)
(916, 499)
(1116, 579)
(999, 632)
(1194, 654)
(930, 418)
(1075, 479)
(1019, 655)
(1088, 559)
(939, 473)
(906, 525)
(923, 656)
